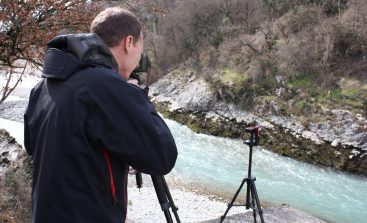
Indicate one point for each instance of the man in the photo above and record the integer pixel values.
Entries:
(85, 124)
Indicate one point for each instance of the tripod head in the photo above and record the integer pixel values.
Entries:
(253, 141)
(255, 132)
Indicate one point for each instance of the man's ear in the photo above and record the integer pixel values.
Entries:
(127, 43)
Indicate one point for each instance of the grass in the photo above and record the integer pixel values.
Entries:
(233, 79)
(348, 97)
(301, 81)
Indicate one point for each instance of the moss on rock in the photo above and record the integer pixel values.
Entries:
(278, 140)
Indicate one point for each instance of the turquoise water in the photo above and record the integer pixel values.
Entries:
(220, 164)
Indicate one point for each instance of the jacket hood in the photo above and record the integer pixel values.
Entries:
(67, 54)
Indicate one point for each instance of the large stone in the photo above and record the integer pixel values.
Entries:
(15, 180)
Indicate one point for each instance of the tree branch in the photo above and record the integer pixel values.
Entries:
(8, 90)
(251, 47)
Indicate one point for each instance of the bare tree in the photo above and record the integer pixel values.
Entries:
(27, 25)
(245, 15)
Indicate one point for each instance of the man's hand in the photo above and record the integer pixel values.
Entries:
(133, 81)
(132, 171)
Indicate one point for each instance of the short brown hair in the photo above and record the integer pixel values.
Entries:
(115, 23)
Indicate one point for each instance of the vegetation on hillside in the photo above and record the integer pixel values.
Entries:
(303, 54)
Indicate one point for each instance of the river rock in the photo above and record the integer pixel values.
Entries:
(15, 180)
(10, 151)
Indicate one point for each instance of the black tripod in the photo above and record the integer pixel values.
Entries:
(163, 194)
(252, 199)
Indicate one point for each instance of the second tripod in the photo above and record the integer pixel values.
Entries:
(252, 199)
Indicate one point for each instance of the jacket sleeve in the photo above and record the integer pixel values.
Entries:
(123, 120)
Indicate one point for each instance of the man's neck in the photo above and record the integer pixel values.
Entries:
(119, 57)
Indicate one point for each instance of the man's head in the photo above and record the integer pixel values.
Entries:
(121, 31)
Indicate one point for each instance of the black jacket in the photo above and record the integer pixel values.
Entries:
(83, 126)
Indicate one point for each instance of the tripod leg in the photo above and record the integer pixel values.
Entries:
(233, 200)
(162, 198)
(250, 203)
(253, 201)
(257, 202)
(248, 195)
(173, 206)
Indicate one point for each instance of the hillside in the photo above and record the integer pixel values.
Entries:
(301, 56)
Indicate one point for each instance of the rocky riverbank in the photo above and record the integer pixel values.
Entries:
(338, 140)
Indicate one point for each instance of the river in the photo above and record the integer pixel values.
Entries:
(220, 164)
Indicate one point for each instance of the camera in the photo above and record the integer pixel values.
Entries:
(255, 132)
(143, 67)
(144, 64)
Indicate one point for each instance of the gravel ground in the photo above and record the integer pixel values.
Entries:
(14, 106)
(192, 207)
(197, 208)
(278, 214)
